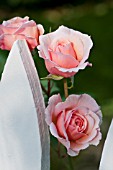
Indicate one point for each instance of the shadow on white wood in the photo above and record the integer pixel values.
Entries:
(24, 136)
(106, 162)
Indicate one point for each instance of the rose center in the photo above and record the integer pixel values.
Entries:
(66, 49)
(78, 122)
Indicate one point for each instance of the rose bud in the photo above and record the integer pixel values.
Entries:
(65, 51)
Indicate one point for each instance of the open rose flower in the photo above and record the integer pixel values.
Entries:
(74, 122)
(65, 51)
(19, 28)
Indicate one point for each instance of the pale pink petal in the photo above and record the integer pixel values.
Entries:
(77, 44)
(87, 138)
(32, 42)
(63, 35)
(24, 27)
(65, 61)
(66, 50)
(73, 133)
(87, 43)
(28, 30)
(45, 41)
(16, 21)
(41, 29)
(90, 124)
(50, 113)
(65, 142)
(7, 30)
(60, 36)
(95, 141)
(53, 131)
(88, 102)
(52, 68)
(7, 40)
(60, 125)
(72, 153)
(83, 111)
(67, 74)
(74, 70)
(96, 119)
(68, 115)
(70, 103)
(82, 43)
(77, 147)
(99, 114)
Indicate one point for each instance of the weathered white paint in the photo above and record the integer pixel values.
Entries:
(24, 137)
(106, 162)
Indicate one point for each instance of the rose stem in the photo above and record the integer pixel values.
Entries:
(43, 88)
(59, 149)
(70, 163)
(49, 88)
(65, 88)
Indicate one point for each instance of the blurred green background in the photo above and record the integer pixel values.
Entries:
(96, 19)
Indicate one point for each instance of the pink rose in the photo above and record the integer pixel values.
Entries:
(74, 122)
(19, 28)
(65, 51)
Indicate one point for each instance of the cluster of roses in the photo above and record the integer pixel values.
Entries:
(76, 121)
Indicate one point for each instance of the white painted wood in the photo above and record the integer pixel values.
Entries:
(24, 137)
(106, 162)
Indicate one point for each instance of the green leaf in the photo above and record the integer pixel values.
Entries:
(52, 77)
(50, 30)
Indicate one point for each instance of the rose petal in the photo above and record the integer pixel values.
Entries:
(74, 70)
(66, 50)
(87, 42)
(72, 153)
(65, 142)
(16, 21)
(44, 40)
(90, 124)
(41, 29)
(54, 132)
(5, 43)
(73, 134)
(70, 103)
(50, 110)
(88, 102)
(87, 138)
(28, 30)
(95, 141)
(7, 30)
(65, 61)
(95, 118)
(68, 115)
(52, 68)
(77, 147)
(60, 125)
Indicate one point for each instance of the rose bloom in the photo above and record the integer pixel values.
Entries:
(74, 122)
(19, 28)
(65, 51)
